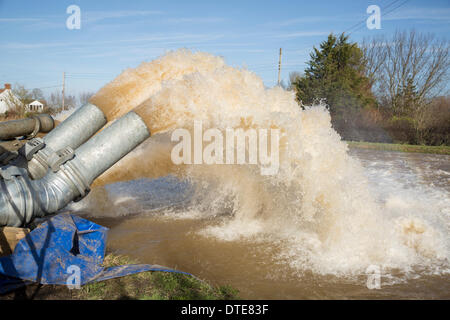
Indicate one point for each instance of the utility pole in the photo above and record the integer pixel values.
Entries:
(279, 69)
(63, 89)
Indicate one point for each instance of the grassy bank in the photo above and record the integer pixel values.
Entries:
(153, 286)
(400, 147)
(140, 286)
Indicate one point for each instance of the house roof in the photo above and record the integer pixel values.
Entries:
(5, 92)
(36, 102)
(7, 87)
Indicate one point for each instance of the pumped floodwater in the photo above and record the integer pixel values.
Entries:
(152, 220)
(312, 230)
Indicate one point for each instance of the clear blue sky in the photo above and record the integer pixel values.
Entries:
(36, 47)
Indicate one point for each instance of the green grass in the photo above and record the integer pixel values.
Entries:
(400, 147)
(153, 286)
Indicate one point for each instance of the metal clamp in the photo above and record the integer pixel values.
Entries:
(8, 156)
(9, 172)
(29, 149)
(60, 157)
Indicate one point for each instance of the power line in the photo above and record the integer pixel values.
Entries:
(363, 21)
(74, 76)
(357, 26)
(396, 7)
(98, 76)
(58, 86)
(88, 78)
(90, 73)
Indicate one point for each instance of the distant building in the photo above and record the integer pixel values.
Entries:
(35, 106)
(8, 101)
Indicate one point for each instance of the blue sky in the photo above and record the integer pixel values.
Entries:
(36, 46)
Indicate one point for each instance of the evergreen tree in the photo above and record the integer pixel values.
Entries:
(408, 98)
(336, 73)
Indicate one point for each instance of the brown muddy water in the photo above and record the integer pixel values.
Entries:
(160, 221)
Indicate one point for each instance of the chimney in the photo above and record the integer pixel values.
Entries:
(8, 86)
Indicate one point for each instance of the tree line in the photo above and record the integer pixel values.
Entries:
(53, 103)
(386, 89)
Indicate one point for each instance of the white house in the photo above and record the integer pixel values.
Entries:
(8, 101)
(35, 106)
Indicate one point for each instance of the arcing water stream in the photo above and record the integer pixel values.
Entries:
(309, 231)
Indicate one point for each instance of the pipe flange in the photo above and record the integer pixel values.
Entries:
(73, 173)
(7, 157)
(13, 189)
(37, 127)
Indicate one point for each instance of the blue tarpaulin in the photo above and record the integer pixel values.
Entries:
(51, 252)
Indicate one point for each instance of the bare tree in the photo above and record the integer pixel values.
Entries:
(70, 101)
(293, 77)
(55, 102)
(37, 94)
(84, 97)
(374, 57)
(23, 94)
(408, 62)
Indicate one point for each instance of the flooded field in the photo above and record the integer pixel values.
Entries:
(158, 221)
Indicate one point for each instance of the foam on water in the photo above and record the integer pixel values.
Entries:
(319, 208)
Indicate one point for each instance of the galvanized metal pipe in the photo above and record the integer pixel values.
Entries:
(72, 132)
(77, 128)
(25, 127)
(23, 199)
(110, 145)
